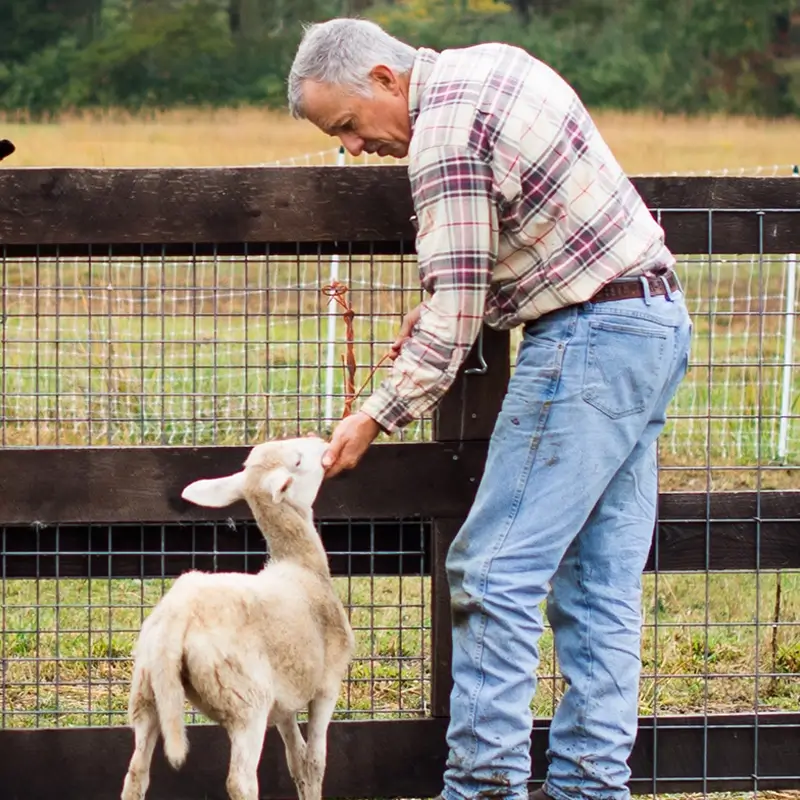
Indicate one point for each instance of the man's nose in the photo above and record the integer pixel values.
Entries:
(352, 143)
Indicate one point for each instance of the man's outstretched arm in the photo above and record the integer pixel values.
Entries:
(456, 250)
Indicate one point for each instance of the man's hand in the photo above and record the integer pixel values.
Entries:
(409, 321)
(350, 440)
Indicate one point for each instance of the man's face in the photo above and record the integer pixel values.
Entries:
(377, 124)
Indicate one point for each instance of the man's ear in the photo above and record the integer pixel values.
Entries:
(215, 492)
(277, 482)
(385, 78)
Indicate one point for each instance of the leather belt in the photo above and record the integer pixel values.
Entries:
(629, 288)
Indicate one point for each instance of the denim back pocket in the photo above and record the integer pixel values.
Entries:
(625, 366)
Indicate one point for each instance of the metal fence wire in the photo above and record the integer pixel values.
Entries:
(67, 642)
(115, 350)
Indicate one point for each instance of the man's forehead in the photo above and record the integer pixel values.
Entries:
(325, 104)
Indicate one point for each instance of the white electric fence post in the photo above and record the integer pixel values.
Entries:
(788, 351)
(331, 337)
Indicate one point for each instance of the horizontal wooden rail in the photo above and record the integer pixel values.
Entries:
(144, 484)
(232, 210)
(118, 513)
(395, 758)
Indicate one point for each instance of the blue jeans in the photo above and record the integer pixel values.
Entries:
(567, 500)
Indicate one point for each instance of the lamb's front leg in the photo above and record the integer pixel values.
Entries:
(320, 711)
(295, 752)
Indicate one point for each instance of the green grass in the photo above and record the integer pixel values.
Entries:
(66, 645)
(226, 360)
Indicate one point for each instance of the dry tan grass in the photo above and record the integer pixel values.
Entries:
(647, 144)
(644, 143)
(168, 139)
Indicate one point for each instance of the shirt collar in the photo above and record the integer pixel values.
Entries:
(424, 62)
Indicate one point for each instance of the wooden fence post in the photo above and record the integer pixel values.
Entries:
(466, 413)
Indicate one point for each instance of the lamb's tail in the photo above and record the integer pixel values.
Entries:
(159, 662)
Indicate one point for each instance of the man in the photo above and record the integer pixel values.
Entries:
(524, 218)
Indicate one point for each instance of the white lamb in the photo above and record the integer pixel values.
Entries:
(248, 651)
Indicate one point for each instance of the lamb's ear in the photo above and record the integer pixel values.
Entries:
(277, 482)
(215, 492)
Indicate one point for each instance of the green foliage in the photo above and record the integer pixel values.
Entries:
(680, 56)
(30, 26)
(686, 56)
(156, 57)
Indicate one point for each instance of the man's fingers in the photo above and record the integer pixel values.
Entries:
(406, 328)
(337, 463)
(333, 471)
(331, 455)
(396, 347)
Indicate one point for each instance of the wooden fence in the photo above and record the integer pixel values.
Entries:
(357, 210)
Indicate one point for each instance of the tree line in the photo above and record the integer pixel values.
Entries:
(675, 56)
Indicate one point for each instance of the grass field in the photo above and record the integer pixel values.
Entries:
(66, 646)
(643, 143)
(83, 363)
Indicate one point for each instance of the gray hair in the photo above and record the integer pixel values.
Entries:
(343, 51)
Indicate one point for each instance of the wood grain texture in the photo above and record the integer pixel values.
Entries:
(326, 209)
(718, 192)
(394, 758)
(727, 531)
(100, 499)
(444, 531)
(402, 544)
(63, 485)
(217, 204)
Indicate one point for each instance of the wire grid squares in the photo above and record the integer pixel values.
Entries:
(729, 642)
(739, 406)
(67, 642)
(114, 350)
(117, 350)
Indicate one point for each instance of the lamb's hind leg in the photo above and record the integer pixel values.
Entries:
(145, 728)
(247, 742)
(295, 752)
(320, 711)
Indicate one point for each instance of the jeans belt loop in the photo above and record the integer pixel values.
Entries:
(667, 288)
(646, 289)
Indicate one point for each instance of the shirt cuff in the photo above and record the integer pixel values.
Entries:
(389, 411)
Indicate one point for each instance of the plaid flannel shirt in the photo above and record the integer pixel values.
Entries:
(521, 209)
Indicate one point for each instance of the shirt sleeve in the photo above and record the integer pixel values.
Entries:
(456, 244)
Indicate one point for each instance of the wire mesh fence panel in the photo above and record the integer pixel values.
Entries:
(729, 642)
(67, 642)
(114, 350)
(738, 406)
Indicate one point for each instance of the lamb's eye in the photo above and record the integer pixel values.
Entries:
(299, 459)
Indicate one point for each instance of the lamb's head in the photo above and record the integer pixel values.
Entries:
(282, 470)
